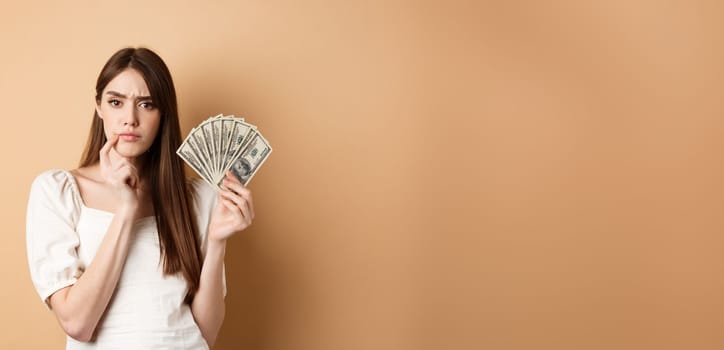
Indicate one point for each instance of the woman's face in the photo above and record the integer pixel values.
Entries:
(128, 111)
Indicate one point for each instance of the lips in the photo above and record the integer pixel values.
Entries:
(129, 137)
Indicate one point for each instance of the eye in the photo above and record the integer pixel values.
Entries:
(147, 105)
(114, 102)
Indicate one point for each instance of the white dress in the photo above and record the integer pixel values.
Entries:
(147, 309)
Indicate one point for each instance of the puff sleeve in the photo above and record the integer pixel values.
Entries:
(52, 242)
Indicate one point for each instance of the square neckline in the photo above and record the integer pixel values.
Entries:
(79, 198)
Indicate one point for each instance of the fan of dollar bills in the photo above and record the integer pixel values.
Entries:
(223, 143)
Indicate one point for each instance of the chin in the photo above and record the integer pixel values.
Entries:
(131, 152)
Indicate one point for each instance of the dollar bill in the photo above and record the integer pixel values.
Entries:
(202, 149)
(208, 133)
(250, 159)
(239, 138)
(197, 150)
(222, 143)
(186, 153)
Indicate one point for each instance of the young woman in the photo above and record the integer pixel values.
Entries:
(125, 251)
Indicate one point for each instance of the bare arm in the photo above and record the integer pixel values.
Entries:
(79, 307)
(233, 213)
(208, 306)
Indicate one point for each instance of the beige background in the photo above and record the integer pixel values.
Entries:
(446, 175)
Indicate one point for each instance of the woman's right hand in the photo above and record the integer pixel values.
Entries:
(121, 174)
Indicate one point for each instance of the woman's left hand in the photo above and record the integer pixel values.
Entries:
(234, 211)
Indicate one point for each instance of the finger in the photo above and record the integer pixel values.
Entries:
(125, 163)
(250, 205)
(231, 182)
(233, 197)
(133, 180)
(120, 164)
(251, 210)
(241, 190)
(245, 212)
(229, 205)
(246, 195)
(249, 202)
(230, 175)
(238, 201)
(106, 149)
(125, 176)
(120, 175)
(127, 173)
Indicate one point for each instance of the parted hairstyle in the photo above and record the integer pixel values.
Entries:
(160, 167)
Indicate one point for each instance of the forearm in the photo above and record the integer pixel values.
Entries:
(80, 306)
(208, 306)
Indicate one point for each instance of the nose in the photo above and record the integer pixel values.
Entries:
(130, 118)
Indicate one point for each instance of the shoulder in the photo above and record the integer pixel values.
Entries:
(52, 181)
(53, 191)
(52, 176)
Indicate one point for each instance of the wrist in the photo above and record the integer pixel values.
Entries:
(129, 211)
(216, 247)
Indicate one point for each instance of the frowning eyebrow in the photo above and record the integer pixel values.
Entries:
(118, 94)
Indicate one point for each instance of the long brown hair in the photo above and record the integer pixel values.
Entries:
(161, 168)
